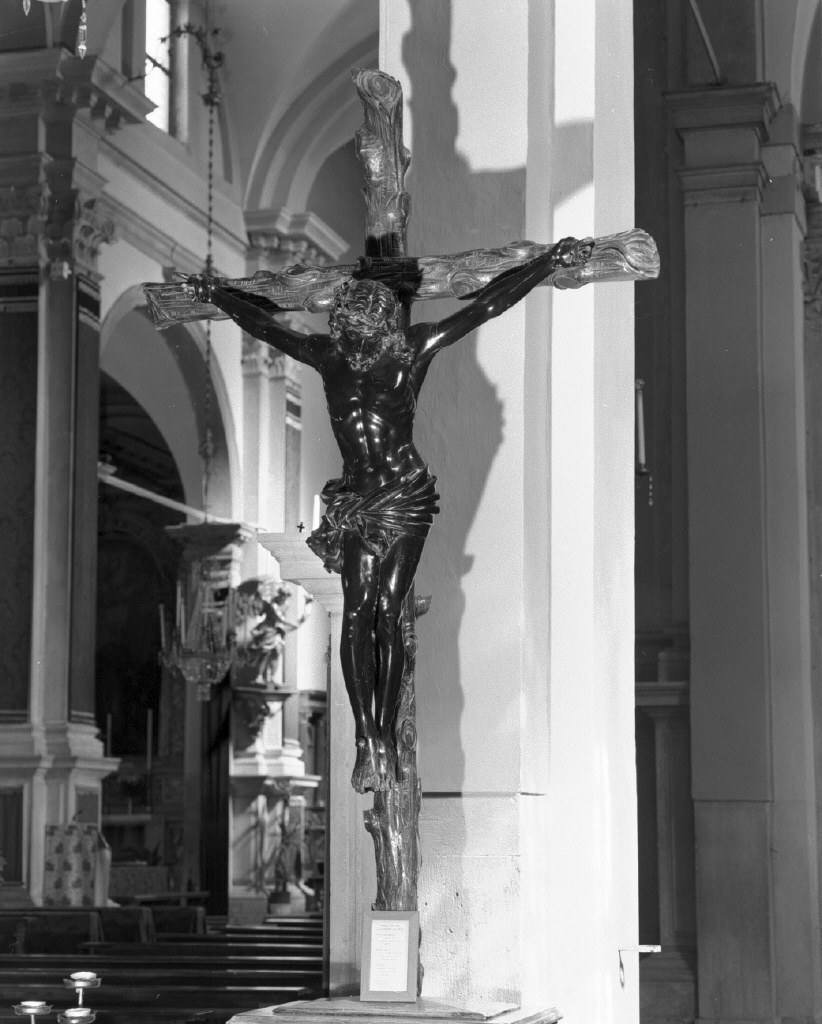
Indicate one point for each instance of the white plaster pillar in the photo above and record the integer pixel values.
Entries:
(795, 813)
(259, 497)
(751, 722)
(521, 127)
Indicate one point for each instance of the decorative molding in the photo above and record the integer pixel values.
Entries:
(740, 183)
(723, 131)
(279, 238)
(149, 238)
(745, 106)
(75, 227)
(91, 85)
(57, 84)
(192, 209)
(662, 693)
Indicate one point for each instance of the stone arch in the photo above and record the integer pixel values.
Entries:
(806, 63)
(165, 373)
(296, 143)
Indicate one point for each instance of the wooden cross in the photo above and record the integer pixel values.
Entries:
(630, 256)
(393, 822)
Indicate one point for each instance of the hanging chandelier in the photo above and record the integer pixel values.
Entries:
(82, 30)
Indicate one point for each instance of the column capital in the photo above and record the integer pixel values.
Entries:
(751, 107)
(279, 238)
(723, 132)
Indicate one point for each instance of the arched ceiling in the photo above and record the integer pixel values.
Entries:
(285, 78)
(278, 55)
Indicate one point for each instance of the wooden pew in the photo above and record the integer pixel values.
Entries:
(130, 976)
(126, 959)
(217, 950)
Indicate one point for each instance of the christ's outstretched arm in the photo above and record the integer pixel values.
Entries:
(498, 296)
(256, 317)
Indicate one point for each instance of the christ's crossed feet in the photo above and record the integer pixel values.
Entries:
(376, 765)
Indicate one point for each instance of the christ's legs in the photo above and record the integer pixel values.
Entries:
(396, 574)
(360, 578)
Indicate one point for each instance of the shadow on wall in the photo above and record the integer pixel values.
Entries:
(459, 431)
(460, 428)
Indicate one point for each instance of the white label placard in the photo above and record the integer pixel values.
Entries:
(389, 956)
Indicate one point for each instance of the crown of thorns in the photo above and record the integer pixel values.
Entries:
(370, 299)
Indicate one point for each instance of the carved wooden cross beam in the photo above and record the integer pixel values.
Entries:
(630, 256)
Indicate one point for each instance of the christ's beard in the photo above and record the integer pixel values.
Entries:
(363, 353)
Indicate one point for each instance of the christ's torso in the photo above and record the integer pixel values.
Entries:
(372, 416)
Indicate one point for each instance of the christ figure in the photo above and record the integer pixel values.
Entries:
(379, 512)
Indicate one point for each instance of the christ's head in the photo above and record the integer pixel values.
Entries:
(364, 308)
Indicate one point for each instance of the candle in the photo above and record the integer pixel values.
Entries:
(77, 1012)
(108, 734)
(32, 1004)
(640, 424)
(149, 741)
(162, 627)
(178, 616)
(83, 976)
(315, 521)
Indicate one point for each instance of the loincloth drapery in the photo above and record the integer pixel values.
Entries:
(404, 508)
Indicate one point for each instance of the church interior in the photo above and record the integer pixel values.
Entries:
(618, 681)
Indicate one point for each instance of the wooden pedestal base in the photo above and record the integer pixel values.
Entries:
(424, 1011)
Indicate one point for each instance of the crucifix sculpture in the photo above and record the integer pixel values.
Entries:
(373, 364)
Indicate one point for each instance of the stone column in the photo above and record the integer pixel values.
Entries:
(752, 728)
(52, 225)
(812, 253)
(668, 977)
(520, 127)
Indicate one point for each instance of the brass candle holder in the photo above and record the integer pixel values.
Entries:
(77, 1015)
(80, 981)
(32, 1008)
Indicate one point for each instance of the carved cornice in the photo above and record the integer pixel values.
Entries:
(702, 185)
(723, 131)
(279, 238)
(745, 106)
(50, 206)
(55, 83)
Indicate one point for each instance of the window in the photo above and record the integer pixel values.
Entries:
(158, 81)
